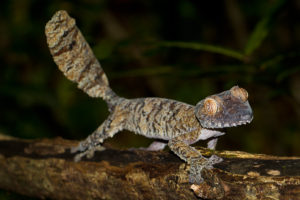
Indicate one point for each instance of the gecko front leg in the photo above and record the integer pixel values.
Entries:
(180, 145)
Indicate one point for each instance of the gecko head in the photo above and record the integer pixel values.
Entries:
(226, 109)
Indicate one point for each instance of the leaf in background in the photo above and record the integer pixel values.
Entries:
(263, 27)
(287, 73)
(150, 71)
(277, 59)
(205, 47)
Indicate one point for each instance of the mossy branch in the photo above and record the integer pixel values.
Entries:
(45, 169)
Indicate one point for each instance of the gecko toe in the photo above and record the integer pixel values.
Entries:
(195, 179)
(74, 149)
(214, 160)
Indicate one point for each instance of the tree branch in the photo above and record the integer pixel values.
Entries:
(45, 169)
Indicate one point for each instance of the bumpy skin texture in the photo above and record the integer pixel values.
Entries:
(178, 123)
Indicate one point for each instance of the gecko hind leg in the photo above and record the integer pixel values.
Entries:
(93, 142)
(155, 146)
(212, 143)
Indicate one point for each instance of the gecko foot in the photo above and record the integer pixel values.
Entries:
(88, 153)
(200, 163)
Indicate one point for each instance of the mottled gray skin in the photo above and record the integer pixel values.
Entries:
(179, 124)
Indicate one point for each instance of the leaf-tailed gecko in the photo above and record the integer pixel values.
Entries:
(177, 123)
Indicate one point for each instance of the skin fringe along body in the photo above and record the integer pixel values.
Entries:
(179, 124)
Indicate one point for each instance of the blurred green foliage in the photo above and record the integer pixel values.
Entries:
(184, 50)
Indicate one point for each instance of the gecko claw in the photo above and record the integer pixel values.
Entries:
(78, 157)
(80, 147)
(200, 163)
(214, 159)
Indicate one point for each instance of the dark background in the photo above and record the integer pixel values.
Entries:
(183, 50)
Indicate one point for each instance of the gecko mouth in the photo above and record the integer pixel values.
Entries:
(227, 124)
(236, 123)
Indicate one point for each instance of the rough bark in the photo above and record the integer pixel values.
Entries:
(45, 169)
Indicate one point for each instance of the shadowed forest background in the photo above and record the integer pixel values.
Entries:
(183, 50)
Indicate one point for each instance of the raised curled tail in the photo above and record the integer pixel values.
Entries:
(75, 58)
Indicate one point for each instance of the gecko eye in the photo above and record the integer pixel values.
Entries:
(240, 93)
(210, 106)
